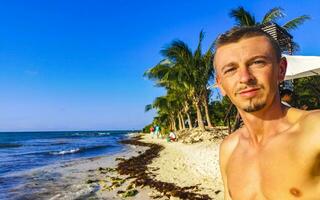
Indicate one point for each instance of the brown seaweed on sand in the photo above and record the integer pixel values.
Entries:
(136, 167)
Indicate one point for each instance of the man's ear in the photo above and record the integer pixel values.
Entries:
(218, 81)
(282, 69)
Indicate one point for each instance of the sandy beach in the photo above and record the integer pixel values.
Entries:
(147, 169)
(180, 171)
(188, 165)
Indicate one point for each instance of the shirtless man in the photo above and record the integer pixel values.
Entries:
(276, 154)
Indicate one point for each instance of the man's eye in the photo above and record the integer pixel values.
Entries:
(258, 62)
(229, 70)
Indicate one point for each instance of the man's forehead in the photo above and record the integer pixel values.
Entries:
(243, 49)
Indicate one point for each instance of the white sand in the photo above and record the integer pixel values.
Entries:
(189, 165)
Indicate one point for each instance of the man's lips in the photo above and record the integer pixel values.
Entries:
(248, 92)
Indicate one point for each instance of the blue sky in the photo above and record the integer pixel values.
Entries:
(78, 65)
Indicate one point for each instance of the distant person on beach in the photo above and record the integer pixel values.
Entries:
(152, 131)
(276, 154)
(157, 131)
(172, 136)
(286, 97)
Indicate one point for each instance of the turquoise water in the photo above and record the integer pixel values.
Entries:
(23, 151)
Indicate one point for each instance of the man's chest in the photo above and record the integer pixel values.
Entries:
(277, 171)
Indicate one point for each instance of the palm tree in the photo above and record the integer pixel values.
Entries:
(192, 71)
(245, 18)
(185, 74)
(167, 109)
(164, 74)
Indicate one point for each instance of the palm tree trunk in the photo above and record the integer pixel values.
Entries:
(206, 110)
(199, 117)
(180, 124)
(174, 125)
(186, 111)
(189, 120)
(182, 120)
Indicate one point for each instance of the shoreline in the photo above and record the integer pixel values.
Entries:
(63, 180)
(147, 169)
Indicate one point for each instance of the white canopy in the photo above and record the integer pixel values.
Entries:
(302, 66)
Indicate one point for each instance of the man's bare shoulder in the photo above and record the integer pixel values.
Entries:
(312, 117)
(229, 143)
(309, 128)
(230, 140)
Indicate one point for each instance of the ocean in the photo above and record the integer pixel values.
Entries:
(21, 152)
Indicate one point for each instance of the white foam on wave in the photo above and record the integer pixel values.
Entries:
(66, 151)
(76, 192)
(133, 134)
(104, 133)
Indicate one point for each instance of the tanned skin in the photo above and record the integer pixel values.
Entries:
(276, 154)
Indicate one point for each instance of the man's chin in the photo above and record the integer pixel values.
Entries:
(254, 108)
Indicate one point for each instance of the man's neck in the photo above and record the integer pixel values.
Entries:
(263, 124)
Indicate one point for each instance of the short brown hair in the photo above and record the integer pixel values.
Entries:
(237, 33)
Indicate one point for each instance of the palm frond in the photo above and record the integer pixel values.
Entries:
(197, 53)
(293, 24)
(157, 72)
(177, 51)
(273, 14)
(148, 107)
(242, 17)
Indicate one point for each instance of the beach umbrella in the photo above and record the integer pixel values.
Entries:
(302, 66)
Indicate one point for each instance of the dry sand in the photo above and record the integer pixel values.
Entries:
(189, 165)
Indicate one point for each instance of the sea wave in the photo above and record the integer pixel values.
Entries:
(65, 151)
(78, 134)
(48, 144)
(9, 145)
(103, 133)
(90, 134)
(78, 150)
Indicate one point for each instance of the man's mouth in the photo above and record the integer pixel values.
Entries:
(250, 92)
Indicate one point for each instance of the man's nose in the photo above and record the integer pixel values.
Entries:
(245, 75)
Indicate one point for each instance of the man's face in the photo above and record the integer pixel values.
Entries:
(248, 72)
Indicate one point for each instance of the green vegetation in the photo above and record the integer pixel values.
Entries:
(185, 74)
(307, 93)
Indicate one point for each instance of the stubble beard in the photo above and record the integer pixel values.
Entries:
(253, 107)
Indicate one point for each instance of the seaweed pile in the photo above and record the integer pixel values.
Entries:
(136, 168)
